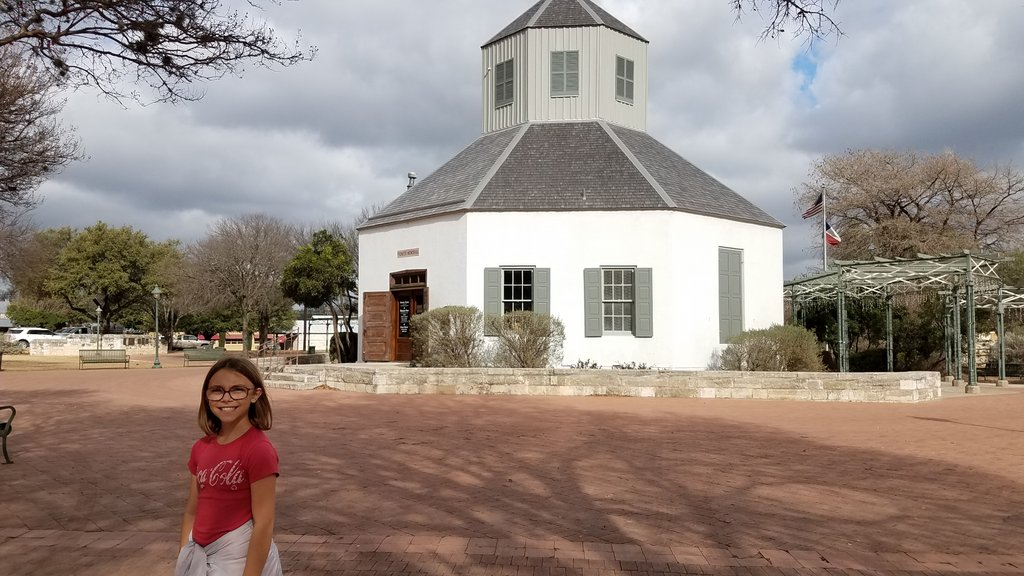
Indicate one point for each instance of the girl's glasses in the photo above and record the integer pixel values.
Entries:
(237, 393)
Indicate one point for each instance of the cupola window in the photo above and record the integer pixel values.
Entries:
(565, 73)
(504, 75)
(624, 79)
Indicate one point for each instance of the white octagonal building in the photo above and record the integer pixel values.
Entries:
(565, 205)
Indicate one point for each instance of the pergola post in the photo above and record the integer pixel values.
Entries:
(947, 313)
(888, 330)
(844, 358)
(972, 332)
(958, 359)
(1002, 381)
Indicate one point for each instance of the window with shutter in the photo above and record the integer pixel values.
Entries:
(504, 75)
(516, 288)
(565, 73)
(618, 301)
(624, 79)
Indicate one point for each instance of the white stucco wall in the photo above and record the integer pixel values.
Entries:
(441, 243)
(682, 250)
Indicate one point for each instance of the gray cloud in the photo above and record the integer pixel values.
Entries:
(396, 87)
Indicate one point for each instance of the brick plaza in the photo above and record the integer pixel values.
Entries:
(525, 485)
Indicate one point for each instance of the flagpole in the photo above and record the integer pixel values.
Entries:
(824, 240)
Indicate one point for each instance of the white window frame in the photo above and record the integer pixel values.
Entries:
(504, 83)
(510, 301)
(562, 72)
(618, 299)
(625, 79)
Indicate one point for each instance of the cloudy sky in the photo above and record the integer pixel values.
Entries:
(395, 88)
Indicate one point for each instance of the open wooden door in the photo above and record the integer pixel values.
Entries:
(376, 328)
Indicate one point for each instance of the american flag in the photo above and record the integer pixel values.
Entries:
(815, 208)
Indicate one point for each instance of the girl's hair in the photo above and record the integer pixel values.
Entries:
(259, 411)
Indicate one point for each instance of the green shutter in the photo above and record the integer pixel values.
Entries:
(572, 73)
(542, 291)
(557, 73)
(730, 294)
(593, 323)
(643, 303)
(492, 296)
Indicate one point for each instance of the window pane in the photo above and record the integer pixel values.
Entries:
(507, 292)
(629, 91)
(620, 87)
(572, 83)
(506, 276)
(629, 69)
(517, 292)
(620, 66)
(558, 61)
(572, 61)
(627, 292)
(627, 276)
(507, 307)
(557, 83)
(609, 292)
(528, 277)
(608, 277)
(528, 292)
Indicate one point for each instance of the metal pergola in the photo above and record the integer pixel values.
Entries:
(968, 282)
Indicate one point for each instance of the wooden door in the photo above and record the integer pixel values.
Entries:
(408, 303)
(376, 327)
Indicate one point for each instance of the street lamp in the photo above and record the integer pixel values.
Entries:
(156, 316)
(98, 312)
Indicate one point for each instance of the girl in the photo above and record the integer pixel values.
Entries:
(228, 525)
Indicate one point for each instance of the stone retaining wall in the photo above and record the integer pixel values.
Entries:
(815, 386)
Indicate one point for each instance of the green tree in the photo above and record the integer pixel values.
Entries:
(107, 267)
(319, 275)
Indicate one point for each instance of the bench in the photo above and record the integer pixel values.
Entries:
(5, 430)
(203, 355)
(118, 356)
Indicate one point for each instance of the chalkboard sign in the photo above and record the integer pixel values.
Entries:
(403, 317)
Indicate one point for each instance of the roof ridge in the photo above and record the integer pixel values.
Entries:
(537, 14)
(638, 165)
(586, 6)
(495, 167)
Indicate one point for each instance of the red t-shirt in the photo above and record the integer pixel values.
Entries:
(224, 474)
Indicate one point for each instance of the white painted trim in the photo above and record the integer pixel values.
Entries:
(536, 15)
(591, 12)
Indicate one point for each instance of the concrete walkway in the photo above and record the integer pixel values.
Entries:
(525, 485)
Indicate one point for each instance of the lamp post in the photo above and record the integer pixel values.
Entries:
(156, 317)
(98, 312)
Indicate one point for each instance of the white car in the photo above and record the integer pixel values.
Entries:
(188, 342)
(24, 337)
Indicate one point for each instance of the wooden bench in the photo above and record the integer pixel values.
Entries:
(5, 430)
(203, 355)
(118, 356)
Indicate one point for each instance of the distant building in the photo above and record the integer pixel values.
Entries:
(566, 205)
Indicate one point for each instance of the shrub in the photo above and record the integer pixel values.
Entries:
(774, 349)
(527, 339)
(448, 337)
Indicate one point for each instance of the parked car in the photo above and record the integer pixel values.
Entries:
(76, 330)
(24, 337)
(188, 341)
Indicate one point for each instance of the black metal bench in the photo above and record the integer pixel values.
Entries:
(118, 356)
(203, 355)
(5, 430)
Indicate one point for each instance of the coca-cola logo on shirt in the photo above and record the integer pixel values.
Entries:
(228, 473)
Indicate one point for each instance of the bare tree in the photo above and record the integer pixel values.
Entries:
(240, 264)
(166, 44)
(899, 204)
(809, 18)
(33, 144)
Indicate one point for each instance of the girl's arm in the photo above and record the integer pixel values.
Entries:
(190, 510)
(264, 494)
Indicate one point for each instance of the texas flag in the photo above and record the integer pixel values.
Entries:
(831, 236)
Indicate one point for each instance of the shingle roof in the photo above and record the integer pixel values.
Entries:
(564, 14)
(569, 166)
